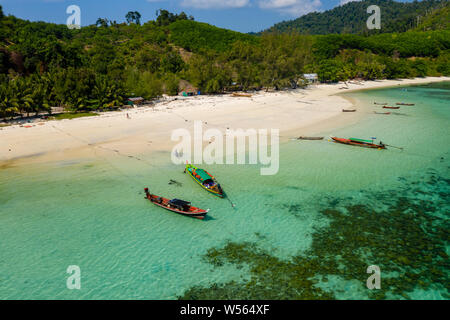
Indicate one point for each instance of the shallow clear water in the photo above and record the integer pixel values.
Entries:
(92, 212)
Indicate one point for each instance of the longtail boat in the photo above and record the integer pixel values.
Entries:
(244, 95)
(382, 112)
(347, 110)
(389, 107)
(205, 180)
(175, 205)
(405, 104)
(310, 138)
(359, 143)
(379, 103)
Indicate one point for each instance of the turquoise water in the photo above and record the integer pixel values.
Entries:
(92, 213)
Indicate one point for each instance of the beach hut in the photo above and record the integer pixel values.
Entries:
(56, 110)
(190, 92)
(186, 89)
(311, 78)
(135, 101)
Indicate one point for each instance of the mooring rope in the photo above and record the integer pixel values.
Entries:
(95, 147)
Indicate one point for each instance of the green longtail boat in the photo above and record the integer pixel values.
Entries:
(205, 180)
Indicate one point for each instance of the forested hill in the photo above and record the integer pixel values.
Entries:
(45, 65)
(352, 17)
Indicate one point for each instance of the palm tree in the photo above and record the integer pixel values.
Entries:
(9, 105)
(23, 91)
(41, 95)
(106, 94)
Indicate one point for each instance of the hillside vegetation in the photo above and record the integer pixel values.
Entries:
(437, 19)
(352, 17)
(43, 65)
(195, 36)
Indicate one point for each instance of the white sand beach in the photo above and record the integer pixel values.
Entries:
(295, 112)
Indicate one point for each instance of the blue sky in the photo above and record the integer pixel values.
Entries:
(239, 15)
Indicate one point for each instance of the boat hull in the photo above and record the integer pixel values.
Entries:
(386, 107)
(310, 138)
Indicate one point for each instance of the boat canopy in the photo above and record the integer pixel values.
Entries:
(361, 140)
(203, 174)
(179, 202)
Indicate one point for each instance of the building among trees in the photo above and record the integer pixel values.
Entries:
(311, 78)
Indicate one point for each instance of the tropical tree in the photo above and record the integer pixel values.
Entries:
(245, 60)
(9, 105)
(106, 94)
(172, 63)
(328, 70)
(420, 67)
(145, 84)
(23, 92)
(171, 84)
(73, 88)
(133, 17)
(148, 59)
(42, 93)
(102, 56)
(102, 22)
(208, 73)
(164, 17)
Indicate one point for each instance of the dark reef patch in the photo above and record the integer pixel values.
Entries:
(407, 239)
(294, 209)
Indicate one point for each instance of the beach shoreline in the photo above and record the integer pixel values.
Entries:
(309, 111)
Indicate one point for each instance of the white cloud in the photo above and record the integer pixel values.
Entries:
(292, 7)
(208, 4)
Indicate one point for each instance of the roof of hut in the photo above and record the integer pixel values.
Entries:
(186, 86)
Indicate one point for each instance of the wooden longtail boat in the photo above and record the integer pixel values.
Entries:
(382, 112)
(175, 205)
(405, 104)
(389, 107)
(310, 138)
(205, 180)
(381, 104)
(245, 95)
(359, 143)
(346, 110)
